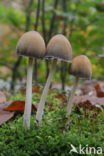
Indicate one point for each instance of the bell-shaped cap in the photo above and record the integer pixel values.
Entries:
(59, 48)
(81, 67)
(31, 44)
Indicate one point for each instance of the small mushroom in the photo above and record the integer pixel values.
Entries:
(31, 44)
(58, 48)
(80, 68)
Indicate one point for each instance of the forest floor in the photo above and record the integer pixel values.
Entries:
(56, 133)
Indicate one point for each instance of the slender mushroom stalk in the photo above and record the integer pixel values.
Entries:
(31, 44)
(80, 68)
(70, 99)
(44, 94)
(28, 102)
(58, 48)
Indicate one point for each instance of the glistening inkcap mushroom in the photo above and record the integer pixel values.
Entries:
(80, 68)
(31, 44)
(58, 48)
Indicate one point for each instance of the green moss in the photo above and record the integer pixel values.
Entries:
(52, 138)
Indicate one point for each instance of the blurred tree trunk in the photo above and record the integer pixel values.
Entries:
(47, 68)
(52, 22)
(17, 63)
(14, 72)
(44, 34)
(63, 64)
(35, 75)
(49, 35)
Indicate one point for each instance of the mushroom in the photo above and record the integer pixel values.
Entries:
(80, 68)
(31, 44)
(58, 48)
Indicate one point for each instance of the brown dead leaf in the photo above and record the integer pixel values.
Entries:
(2, 97)
(102, 5)
(4, 105)
(61, 97)
(18, 106)
(93, 100)
(87, 105)
(35, 89)
(99, 91)
(87, 90)
(5, 116)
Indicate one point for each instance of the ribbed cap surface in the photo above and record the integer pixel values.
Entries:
(81, 67)
(31, 44)
(60, 48)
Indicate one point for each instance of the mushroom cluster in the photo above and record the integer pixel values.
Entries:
(31, 44)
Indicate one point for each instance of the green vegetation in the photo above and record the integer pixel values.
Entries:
(83, 22)
(52, 138)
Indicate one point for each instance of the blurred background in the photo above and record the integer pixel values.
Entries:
(82, 22)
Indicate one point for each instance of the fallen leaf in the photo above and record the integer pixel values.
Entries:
(102, 5)
(93, 99)
(2, 97)
(99, 91)
(5, 104)
(18, 106)
(35, 89)
(87, 105)
(5, 116)
(62, 98)
(87, 90)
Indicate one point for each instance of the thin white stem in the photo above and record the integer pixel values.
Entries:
(27, 111)
(70, 100)
(41, 105)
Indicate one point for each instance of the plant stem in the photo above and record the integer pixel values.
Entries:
(70, 100)
(44, 94)
(27, 111)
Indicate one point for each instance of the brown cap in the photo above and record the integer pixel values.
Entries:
(81, 67)
(31, 44)
(60, 48)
